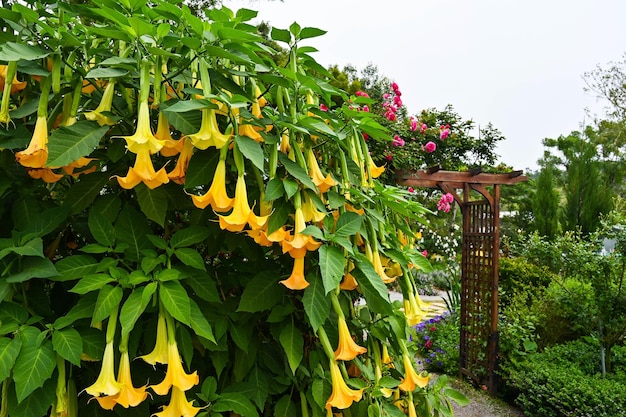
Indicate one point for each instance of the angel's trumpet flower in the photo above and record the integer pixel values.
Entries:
(180, 170)
(242, 214)
(8, 75)
(171, 146)
(36, 154)
(178, 406)
(251, 131)
(411, 379)
(106, 384)
(79, 163)
(311, 213)
(209, 133)
(143, 140)
(347, 349)
(105, 106)
(342, 396)
(322, 182)
(413, 313)
(159, 353)
(298, 245)
(175, 375)
(374, 258)
(296, 280)
(129, 396)
(285, 146)
(143, 171)
(46, 174)
(216, 196)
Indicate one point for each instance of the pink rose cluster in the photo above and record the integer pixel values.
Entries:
(444, 132)
(392, 102)
(444, 202)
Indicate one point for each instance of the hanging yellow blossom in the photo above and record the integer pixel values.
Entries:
(129, 396)
(242, 214)
(159, 353)
(216, 196)
(209, 133)
(322, 182)
(45, 174)
(106, 383)
(347, 349)
(180, 170)
(299, 244)
(143, 171)
(16, 85)
(296, 280)
(171, 146)
(36, 154)
(143, 140)
(411, 379)
(342, 396)
(105, 106)
(178, 406)
(175, 375)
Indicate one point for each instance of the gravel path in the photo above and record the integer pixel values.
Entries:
(481, 403)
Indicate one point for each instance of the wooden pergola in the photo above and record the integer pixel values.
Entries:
(479, 261)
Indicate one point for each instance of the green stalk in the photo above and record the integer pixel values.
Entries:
(204, 77)
(144, 81)
(6, 94)
(238, 156)
(336, 306)
(42, 110)
(304, 410)
(111, 326)
(4, 402)
(321, 333)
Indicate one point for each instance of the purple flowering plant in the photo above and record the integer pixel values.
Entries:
(436, 341)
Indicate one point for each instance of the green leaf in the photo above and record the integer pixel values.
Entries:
(331, 266)
(237, 403)
(251, 150)
(68, 344)
(11, 51)
(260, 382)
(9, 349)
(372, 286)
(109, 298)
(132, 309)
(201, 168)
(106, 73)
(309, 32)
(291, 187)
(456, 396)
(69, 143)
(43, 223)
(33, 247)
(34, 268)
(285, 407)
(132, 229)
(183, 106)
(83, 192)
(281, 35)
(33, 366)
(176, 301)
(199, 323)
(348, 224)
(153, 203)
(262, 293)
(82, 310)
(292, 341)
(204, 287)
(274, 189)
(316, 304)
(36, 404)
(189, 236)
(76, 266)
(10, 311)
(101, 229)
(91, 282)
(190, 257)
(296, 171)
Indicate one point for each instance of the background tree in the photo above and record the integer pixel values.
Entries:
(546, 203)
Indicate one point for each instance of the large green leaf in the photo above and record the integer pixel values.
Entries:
(331, 266)
(43, 223)
(101, 229)
(201, 168)
(32, 247)
(69, 143)
(33, 366)
(153, 203)
(106, 73)
(68, 344)
(11, 51)
(199, 323)
(84, 191)
(296, 171)
(82, 310)
(310, 32)
(189, 236)
(190, 257)
(109, 298)
(176, 301)
(316, 304)
(237, 403)
(262, 293)
(204, 287)
(76, 266)
(251, 150)
(372, 286)
(292, 341)
(348, 224)
(9, 349)
(285, 407)
(132, 229)
(133, 308)
(260, 381)
(36, 404)
(34, 268)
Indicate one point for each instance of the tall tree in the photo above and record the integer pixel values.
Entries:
(546, 203)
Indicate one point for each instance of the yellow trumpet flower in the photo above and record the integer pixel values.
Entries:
(209, 133)
(285, 146)
(296, 280)
(36, 154)
(105, 106)
(310, 211)
(347, 349)
(414, 314)
(348, 283)
(342, 396)
(143, 139)
(322, 182)
(143, 171)
(251, 131)
(16, 85)
(299, 244)
(159, 353)
(105, 383)
(180, 170)
(216, 196)
(242, 214)
(374, 258)
(129, 396)
(175, 375)
(178, 406)
(171, 146)
(411, 378)
(45, 174)
(375, 171)
(386, 359)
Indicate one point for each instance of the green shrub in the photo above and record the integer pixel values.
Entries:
(563, 381)
(517, 274)
(437, 343)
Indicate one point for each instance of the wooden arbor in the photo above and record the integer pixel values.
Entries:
(479, 261)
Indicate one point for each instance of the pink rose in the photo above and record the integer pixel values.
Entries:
(323, 107)
(430, 147)
(423, 128)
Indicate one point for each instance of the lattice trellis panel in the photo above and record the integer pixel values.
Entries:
(478, 301)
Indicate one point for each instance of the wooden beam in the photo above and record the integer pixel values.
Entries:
(414, 178)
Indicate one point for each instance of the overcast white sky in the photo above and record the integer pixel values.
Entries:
(515, 63)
